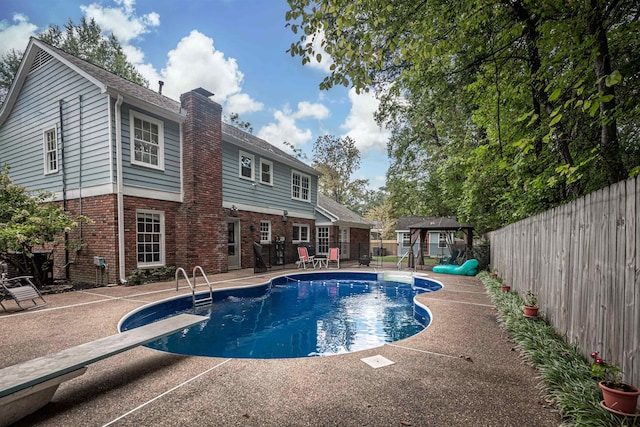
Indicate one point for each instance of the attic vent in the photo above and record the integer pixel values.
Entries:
(41, 58)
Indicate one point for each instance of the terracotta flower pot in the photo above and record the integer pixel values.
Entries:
(624, 401)
(494, 275)
(530, 312)
(506, 288)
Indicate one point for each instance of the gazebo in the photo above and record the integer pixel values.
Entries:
(445, 224)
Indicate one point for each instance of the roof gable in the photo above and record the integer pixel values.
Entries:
(244, 139)
(332, 209)
(38, 53)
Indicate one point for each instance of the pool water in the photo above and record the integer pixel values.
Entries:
(300, 318)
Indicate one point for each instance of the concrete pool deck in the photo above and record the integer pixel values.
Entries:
(462, 370)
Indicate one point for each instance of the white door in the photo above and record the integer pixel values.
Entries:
(322, 241)
(344, 243)
(233, 243)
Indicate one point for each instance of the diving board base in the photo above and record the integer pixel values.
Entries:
(28, 386)
(18, 405)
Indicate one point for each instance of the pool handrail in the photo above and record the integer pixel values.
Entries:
(201, 301)
(192, 286)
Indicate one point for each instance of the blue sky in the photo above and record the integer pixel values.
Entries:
(234, 48)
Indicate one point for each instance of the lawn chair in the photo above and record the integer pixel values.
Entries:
(20, 289)
(304, 258)
(334, 256)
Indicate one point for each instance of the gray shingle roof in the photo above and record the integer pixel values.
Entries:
(430, 223)
(117, 83)
(273, 151)
(340, 211)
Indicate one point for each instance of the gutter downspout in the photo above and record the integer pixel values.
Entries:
(120, 191)
(64, 190)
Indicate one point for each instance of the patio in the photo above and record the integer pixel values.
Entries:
(461, 370)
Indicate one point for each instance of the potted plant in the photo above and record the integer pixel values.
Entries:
(505, 288)
(530, 305)
(618, 397)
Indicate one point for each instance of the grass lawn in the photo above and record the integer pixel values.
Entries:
(396, 258)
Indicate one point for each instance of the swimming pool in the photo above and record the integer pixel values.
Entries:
(296, 315)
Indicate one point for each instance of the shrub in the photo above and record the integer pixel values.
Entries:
(151, 275)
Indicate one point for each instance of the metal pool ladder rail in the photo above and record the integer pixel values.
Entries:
(201, 302)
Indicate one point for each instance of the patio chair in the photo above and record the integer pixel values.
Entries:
(334, 256)
(304, 258)
(20, 289)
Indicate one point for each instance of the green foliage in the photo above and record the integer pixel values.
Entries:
(28, 223)
(234, 120)
(84, 41)
(499, 110)
(9, 64)
(152, 275)
(565, 372)
(337, 159)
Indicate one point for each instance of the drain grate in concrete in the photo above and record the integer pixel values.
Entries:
(377, 361)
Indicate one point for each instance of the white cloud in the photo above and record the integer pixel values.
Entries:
(361, 126)
(193, 63)
(122, 21)
(16, 35)
(286, 129)
(326, 61)
(242, 103)
(311, 110)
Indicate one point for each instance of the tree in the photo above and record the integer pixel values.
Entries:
(84, 41)
(9, 64)
(234, 119)
(337, 159)
(499, 109)
(27, 223)
(382, 215)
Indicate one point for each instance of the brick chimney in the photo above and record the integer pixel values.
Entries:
(200, 223)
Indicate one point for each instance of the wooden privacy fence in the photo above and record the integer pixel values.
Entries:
(582, 260)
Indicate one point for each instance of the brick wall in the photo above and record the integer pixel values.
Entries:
(278, 229)
(100, 238)
(131, 206)
(200, 225)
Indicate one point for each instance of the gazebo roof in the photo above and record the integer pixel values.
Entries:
(445, 223)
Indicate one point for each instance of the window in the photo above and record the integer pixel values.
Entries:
(406, 239)
(442, 240)
(266, 172)
(300, 186)
(150, 238)
(322, 234)
(50, 151)
(147, 141)
(265, 231)
(300, 233)
(246, 165)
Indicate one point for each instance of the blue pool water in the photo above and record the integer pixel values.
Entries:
(299, 315)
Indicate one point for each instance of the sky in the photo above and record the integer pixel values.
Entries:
(233, 48)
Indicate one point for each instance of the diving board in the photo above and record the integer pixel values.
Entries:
(28, 386)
